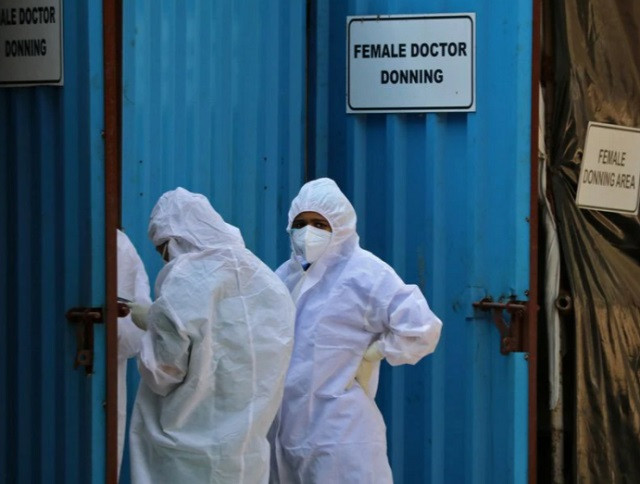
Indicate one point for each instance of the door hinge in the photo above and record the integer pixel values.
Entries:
(512, 329)
(84, 319)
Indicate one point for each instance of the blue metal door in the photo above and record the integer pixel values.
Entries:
(445, 199)
(52, 238)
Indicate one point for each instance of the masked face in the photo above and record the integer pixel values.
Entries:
(310, 242)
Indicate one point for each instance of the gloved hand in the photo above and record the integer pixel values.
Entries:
(363, 375)
(139, 314)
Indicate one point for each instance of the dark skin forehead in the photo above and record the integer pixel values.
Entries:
(314, 219)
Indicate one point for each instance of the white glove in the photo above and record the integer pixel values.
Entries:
(363, 374)
(139, 314)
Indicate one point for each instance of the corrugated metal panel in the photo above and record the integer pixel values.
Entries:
(444, 198)
(51, 236)
(214, 101)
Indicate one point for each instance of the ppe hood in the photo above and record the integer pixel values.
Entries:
(191, 224)
(324, 197)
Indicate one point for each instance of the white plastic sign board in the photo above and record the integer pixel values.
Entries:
(411, 63)
(610, 170)
(31, 42)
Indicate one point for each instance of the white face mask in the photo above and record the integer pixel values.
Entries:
(310, 242)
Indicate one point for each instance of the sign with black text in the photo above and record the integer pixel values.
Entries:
(411, 63)
(31, 42)
(610, 169)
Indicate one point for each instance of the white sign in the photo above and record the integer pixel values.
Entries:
(30, 42)
(411, 63)
(610, 170)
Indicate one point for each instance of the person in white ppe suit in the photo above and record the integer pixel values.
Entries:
(353, 310)
(213, 360)
(133, 285)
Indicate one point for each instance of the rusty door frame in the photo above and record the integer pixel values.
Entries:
(532, 330)
(112, 59)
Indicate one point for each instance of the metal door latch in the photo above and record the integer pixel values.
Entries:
(512, 329)
(84, 319)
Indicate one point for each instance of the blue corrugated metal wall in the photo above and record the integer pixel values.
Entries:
(214, 101)
(52, 241)
(444, 198)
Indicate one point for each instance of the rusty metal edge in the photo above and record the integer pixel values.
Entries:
(532, 328)
(112, 28)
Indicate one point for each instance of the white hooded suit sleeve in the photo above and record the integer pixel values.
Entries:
(413, 330)
(164, 357)
(410, 329)
(133, 284)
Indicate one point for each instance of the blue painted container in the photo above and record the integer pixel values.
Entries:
(242, 101)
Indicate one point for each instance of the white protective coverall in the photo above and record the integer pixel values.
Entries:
(329, 430)
(215, 355)
(133, 284)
